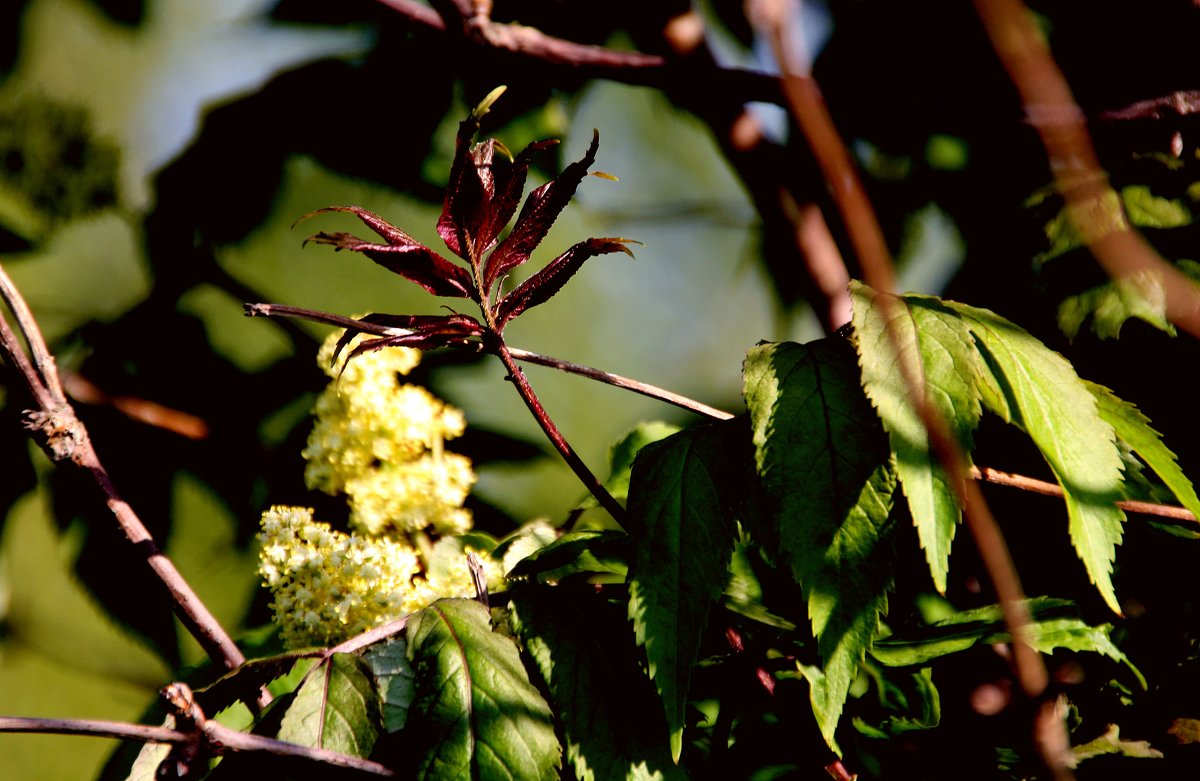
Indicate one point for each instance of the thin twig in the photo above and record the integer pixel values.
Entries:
(66, 439)
(219, 737)
(645, 389)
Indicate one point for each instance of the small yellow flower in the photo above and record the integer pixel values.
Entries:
(329, 586)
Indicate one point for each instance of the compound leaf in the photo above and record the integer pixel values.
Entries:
(1134, 429)
(1035, 388)
(828, 480)
(928, 345)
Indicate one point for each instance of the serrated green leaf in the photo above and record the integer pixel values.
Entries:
(475, 713)
(1134, 429)
(929, 344)
(682, 536)
(612, 722)
(1054, 624)
(826, 473)
(1111, 742)
(908, 698)
(336, 708)
(621, 455)
(594, 553)
(393, 679)
(1147, 210)
(1036, 389)
(1139, 295)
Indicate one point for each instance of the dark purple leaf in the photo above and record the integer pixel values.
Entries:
(508, 184)
(541, 209)
(388, 232)
(414, 261)
(421, 328)
(543, 285)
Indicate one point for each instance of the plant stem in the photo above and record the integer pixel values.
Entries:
(554, 435)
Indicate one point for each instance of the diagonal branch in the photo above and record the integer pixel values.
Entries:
(65, 439)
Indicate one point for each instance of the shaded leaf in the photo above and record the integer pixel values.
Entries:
(1037, 390)
(612, 723)
(825, 471)
(475, 713)
(393, 679)
(583, 552)
(1134, 429)
(1054, 624)
(935, 350)
(682, 535)
(336, 708)
(542, 286)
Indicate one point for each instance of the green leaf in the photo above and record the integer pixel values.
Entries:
(908, 699)
(1036, 389)
(1054, 624)
(682, 537)
(826, 473)
(621, 454)
(612, 721)
(475, 714)
(1147, 210)
(394, 680)
(1109, 305)
(336, 708)
(599, 554)
(1134, 429)
(1111, 742)
(929, 344)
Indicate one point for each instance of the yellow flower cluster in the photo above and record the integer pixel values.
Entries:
(329, 586)
(381, 443)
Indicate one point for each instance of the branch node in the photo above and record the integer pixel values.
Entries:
(57, 431)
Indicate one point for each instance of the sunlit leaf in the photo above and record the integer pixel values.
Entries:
(682, 537)
(475, 714)
(336, 708)
(1037, 390)
(1134, 429)
(928, 345)
(826, 473)
(542, 286)
(538, 215)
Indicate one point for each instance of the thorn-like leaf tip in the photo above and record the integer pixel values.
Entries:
(485, 105)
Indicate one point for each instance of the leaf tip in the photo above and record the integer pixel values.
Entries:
(485, 105)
